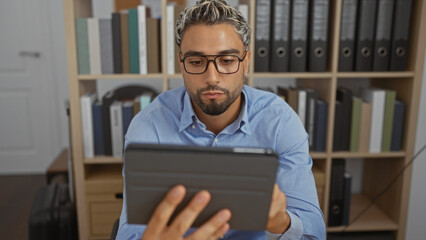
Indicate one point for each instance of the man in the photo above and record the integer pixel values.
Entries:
(215, 108)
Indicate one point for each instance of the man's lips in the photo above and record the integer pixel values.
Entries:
(212, 94)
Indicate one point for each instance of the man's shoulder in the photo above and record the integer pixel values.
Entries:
(258, 100)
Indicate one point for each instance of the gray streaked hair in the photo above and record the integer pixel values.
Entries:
(211, 12)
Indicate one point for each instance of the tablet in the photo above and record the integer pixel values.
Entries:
(240, 179)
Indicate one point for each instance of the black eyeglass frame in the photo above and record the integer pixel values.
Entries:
(182, 60)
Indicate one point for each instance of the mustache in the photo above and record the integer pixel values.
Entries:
(212, 88)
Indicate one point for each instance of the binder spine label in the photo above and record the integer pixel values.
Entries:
(300, 24)
(384, 19)
(263, 21)
(282, 11)
(348, 20)
(320, 20)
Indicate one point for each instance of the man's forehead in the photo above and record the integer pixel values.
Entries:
(212, 39)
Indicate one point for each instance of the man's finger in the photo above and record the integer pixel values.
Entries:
(187, 216)
(164, 210)
(215, 227)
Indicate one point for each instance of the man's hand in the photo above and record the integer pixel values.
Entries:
(157, 228)
(278, 221)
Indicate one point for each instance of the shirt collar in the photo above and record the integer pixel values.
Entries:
(188, 115)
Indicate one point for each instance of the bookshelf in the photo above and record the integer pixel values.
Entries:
(98, 181)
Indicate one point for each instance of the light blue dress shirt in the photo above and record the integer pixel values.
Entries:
(266, 121)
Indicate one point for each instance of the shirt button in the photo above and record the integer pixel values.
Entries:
(216, 140)
(193, 126)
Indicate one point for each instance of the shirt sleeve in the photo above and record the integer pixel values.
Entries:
(295, 179)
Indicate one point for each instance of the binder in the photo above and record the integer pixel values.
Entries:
(365, 35)
(347, 187)
(383, 35)
(299, 35)
(398, 126)
(321, 125)
(344, 95)
(318, 37)
(335, 212)
(262, 41)
(400, 35)
(347, 35)
(337, 133)
(280, 36)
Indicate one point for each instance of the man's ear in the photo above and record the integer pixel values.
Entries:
(247, 62)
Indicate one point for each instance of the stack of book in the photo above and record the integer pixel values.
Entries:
(372, 122)
(312, 112)
(120, 44)
(105, 122)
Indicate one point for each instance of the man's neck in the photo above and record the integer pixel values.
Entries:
(217, 123)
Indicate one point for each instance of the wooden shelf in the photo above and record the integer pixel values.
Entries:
(120, 76)
(372, 220)
(103, 160)
(312, 75)
(375, 74)
(368, 155)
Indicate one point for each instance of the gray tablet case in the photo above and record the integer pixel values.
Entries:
(240, 179)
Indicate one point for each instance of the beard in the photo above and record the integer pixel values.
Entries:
(213, 107)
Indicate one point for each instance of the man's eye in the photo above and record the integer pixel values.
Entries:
(195, 63)
(227, 60)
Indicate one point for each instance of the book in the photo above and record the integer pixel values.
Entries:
(377, 99)
(398, 126)
(301, 105)
(321, 125)
(124, 27)
(142, 37)
(82, 42)
(311, 99)
(98, 128)
(153, 52)
(86, 102)
(116, 42)
(145, 99)
(106, 46)
(127, 115)
(94, 45)
(107, 100)
(355, 124)
(172, 14)
(344, 95)
(338, 132)
(133, 41)
(388, 119)
(365, 127)
(116, 128)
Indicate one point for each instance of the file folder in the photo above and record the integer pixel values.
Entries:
(400, 35)
(383, 35)
(318, 37)
(262, 45)
(347, 35)
(365, 37)
(299, 32)
(280, 36)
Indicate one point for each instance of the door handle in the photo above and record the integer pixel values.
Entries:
(29, 54)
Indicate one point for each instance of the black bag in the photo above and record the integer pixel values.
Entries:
(53, 216)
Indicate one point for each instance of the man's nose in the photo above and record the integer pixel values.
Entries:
(212, 75)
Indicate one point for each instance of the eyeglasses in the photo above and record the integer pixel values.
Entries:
(225, 64)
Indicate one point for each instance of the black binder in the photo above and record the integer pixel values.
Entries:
(383, 35)
(335, 211)
(299, 35)
(280, 38)
(344, 96)
(365, 35)
(347, 35)
(318, 35)
(262, 41)
(400, 35)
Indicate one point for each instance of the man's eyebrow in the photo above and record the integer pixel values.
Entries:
(197, 53)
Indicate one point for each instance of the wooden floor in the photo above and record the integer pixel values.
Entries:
(17, 193)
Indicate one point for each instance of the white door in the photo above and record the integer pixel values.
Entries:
(27, 121)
